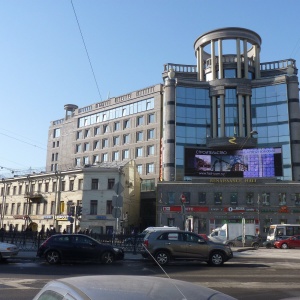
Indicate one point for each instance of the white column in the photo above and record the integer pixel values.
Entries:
(220, 59)
(213, 60)
(245, 60)
(257, 62)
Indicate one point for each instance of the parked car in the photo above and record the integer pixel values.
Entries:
(77, 247)
(8, 250)
(291, 242)
(250, 241)
(270, 243)
(168, 245)
(126, 288)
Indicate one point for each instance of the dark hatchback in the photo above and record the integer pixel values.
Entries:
(77, 247)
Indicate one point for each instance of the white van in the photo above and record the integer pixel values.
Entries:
(151, 229)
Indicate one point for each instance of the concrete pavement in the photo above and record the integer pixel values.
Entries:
(128, 255)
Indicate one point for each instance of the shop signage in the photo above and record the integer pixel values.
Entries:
(62, 218)
(187, 208)
(19, 217)
(239, 209)
(48, 217)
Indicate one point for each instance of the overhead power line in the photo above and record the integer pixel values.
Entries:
(87, 53)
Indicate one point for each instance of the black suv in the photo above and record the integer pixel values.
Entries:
(77, 247)
(166, 245)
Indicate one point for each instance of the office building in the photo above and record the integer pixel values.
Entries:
(218, 141)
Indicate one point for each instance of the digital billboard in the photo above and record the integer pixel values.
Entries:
(247, 163)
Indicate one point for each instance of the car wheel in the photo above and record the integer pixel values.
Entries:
(284, 246)
(107, 258)
(216, 259)
(256, 246)
(162, 257)
(269, 246)
(230, 245)
(52, 257)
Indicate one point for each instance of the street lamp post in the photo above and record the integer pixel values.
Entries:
(3, 203)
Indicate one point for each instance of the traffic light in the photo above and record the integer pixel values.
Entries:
(78, 210)
(72, 210)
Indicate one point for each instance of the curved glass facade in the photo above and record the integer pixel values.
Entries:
(270, 117)
(269, 113)
(193, 118)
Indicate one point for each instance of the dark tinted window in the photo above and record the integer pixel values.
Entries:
(61, 239)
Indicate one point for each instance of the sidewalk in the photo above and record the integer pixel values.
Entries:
(32, 256)
(128, 255)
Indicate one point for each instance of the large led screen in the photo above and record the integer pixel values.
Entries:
(247, 163)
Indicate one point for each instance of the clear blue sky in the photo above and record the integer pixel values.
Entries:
(44, 65)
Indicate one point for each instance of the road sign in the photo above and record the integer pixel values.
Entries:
(117, 201)
(118, 188)
(116, 212)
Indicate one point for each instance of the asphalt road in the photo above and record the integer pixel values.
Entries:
(262, 274)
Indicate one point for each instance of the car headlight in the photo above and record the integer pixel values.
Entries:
(117, 249)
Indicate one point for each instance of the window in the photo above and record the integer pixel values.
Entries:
(250, 198)
(105, 129)
(86, 160)
(201, 198)
(115, 155)
(282, 198)
(54, 184)
(109, 207)
(126, 138)
(12, 210)
(126, 124)
(139, 136)
(86, 133)
(96, 130)
(117, 126)
(71, 185)
(95, 158)
(96, 145)
(140, 121)
(46, 187)
(110, 183)
(77, 162)
(116, 140)
(104, 143)
(171, 197)
(95, 184)
(56, 132)
(93, 207)
(80, 184)
(151, 118)
(150, 150)
(139, 152)
(104, 157)
(52, 212)
(18, 208)
(151, 134)
(14, 190)
(266, 199)
(140, 169)
(45, 208)
(86, 146)
(186, 196)
(234, 198)
(218, 198)
(53, 145)
(125, 154)
(79, 135)
(63, 186)
(150, 168)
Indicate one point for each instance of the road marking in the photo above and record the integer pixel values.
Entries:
(12, 283)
